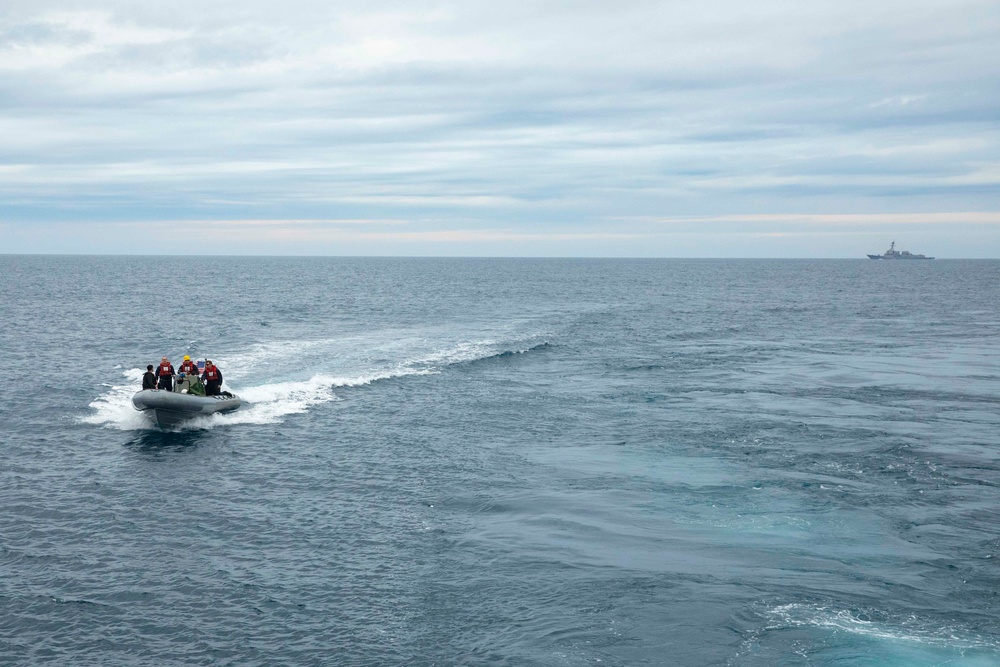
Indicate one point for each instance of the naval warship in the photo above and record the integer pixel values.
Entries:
(892, 253)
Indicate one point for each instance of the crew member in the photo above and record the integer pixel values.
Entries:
(188, 367)
(165, 375)
(149, 378)
(213, 379)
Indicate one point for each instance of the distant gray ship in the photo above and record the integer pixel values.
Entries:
(892, 253)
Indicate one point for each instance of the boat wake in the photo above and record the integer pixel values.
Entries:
(341, 364)
(941, 644)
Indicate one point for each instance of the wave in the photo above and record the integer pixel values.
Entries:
(910, 629)
(344, 363)
(514, 353)
(479, 351)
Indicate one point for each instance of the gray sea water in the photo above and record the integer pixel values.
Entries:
(503, 462)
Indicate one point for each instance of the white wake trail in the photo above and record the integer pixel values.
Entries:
(356, 362)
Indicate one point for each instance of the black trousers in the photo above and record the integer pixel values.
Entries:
(213, 388)
(166, 383)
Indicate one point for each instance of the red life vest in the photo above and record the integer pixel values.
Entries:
(166, 369)
(188, 367)
(211, 374)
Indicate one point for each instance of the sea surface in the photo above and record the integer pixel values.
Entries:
(505, 462)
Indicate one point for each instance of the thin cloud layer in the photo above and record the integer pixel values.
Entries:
(531, 128)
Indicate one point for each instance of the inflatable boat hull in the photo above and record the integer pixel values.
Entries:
(168, 408)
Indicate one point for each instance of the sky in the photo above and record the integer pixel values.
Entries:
(718, 128)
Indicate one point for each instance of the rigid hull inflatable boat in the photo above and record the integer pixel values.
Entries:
(169, 408)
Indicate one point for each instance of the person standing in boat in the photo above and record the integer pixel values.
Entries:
(165, 375)
(149, 378)
(213, 379)
(188, 367)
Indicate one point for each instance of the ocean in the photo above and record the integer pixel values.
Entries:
(505, 462)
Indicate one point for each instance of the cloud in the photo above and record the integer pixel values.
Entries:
(965, 217)
(571, 115)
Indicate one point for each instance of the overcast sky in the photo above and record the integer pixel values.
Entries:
(672, 128)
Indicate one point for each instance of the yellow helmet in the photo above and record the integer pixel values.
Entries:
(187, 358)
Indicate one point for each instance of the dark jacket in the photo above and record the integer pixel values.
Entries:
(218, 374)
(148, 380)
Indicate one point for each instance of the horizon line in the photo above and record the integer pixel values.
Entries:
(362, 256)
